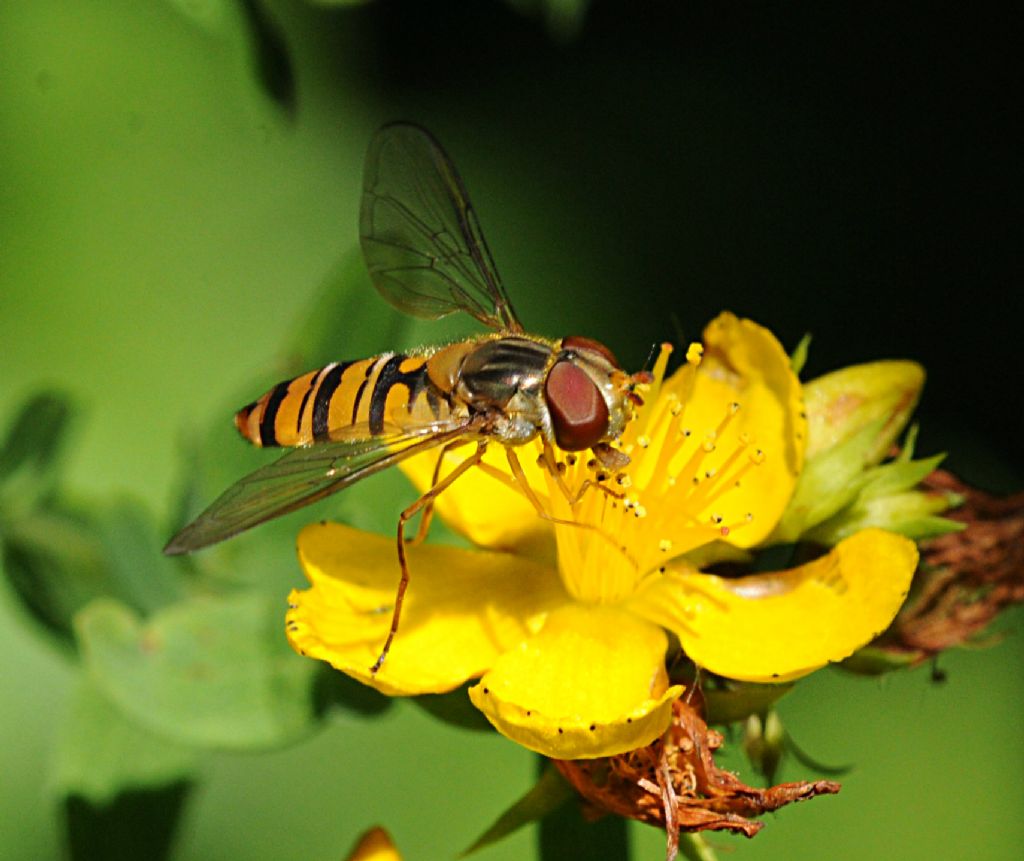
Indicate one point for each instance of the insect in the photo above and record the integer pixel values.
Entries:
(426, 255)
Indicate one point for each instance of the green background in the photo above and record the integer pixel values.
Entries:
(177, 181)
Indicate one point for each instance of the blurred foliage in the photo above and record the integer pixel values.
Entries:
(179, 177)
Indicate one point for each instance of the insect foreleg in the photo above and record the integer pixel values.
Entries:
(403, 562)
(428, 509)
(524, 486)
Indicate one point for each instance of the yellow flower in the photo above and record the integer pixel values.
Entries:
(374, 845)
(567, 626)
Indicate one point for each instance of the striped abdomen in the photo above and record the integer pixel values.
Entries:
(343, 400)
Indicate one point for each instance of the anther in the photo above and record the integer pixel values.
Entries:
(664, 545)
(708, 446)
(694, 353)
(570, 459)
(757, 457)
(686, 432)
(734, 407)
(623, 480)
(639, 511)
(643, 441)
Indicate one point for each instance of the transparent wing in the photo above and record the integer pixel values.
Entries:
(420, 236)
(303, 476)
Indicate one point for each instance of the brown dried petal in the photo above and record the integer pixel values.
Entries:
(966, 578)
(675, 784)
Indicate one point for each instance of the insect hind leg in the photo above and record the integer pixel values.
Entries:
(420, 504)
(427, 514)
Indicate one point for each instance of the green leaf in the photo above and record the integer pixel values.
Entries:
(103, 753)
(211, 672)
(564, 833)
(58, 560)
(138, 824)
(548, 794)
(56, 564)
(213, 16)
(140, 575)
(30, 453)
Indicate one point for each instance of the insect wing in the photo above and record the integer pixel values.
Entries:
(302, 476)
(420, 236)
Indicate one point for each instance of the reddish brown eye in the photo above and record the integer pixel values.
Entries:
(577, 342)
(579, 415)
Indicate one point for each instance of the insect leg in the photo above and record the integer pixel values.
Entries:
(404, 518)
(428, 509)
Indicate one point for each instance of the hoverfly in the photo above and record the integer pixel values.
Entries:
(427, 256)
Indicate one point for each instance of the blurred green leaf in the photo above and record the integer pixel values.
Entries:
(270, 55)
(30, 452)
(214, 16)
(103, 753)
(564, 833)
(548, 794)
(59, 559)
(140, 575)
(56, 563)
(211, 672)
(138, 824)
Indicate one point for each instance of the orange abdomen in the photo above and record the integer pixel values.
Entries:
(342, 400)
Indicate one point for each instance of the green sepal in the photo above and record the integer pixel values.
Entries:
(210, 672)
(798, 358)
(876, 661)
(736, 701)
(548, 794)
(884, 498)
(828, 483)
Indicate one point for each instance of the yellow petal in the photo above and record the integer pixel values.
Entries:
(486, 510)
(463, 608)
(591, 683)
(779, 626)
(745, 364)
(374, 845)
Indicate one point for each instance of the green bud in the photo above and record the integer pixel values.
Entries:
(854, 416)
(841, 404)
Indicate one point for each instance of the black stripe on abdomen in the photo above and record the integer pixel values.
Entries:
(268, 436)
(322, 401)
(389, 377)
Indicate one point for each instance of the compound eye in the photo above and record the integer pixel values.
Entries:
(579, 415)
(577, 342)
